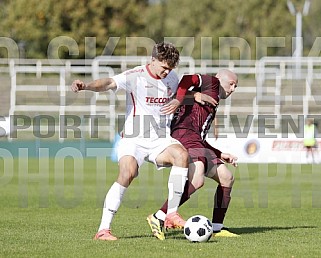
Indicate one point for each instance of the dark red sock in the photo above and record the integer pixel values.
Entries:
(222, 200)
(189, 189)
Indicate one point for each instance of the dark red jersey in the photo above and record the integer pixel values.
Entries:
(192, 115)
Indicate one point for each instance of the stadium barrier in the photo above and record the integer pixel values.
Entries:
(271, 86)
(269, 149)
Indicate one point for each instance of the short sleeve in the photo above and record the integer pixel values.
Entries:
(122, 81)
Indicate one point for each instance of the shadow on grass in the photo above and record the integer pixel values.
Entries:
(172, 234)
(253, 230)
(179, 234)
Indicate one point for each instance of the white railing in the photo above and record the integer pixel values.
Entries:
(61, 108)
(275, 70)
(99, 104)
(289, 69)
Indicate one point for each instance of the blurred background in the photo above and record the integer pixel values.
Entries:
(273, 45)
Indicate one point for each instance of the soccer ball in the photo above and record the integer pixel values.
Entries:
(198, 229)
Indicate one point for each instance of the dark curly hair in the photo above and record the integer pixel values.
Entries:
(166, 52)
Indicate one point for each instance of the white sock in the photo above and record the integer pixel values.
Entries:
(217, 226)
(160, 215)
(176, 182)
(111, 204)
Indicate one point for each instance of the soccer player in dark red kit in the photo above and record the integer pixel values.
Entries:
(190, 126)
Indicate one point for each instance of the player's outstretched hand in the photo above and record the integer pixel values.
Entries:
(203, 99)
(229, 158)
(78, 85)
(170, 107)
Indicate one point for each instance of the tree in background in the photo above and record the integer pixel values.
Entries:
(36, 23)
(223, 22)
(98, 27)
(236, 20)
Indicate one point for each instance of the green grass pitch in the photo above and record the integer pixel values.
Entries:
(52, 208)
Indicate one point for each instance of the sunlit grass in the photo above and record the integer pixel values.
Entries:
(55, 213)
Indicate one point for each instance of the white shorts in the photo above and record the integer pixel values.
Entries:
(144, 149)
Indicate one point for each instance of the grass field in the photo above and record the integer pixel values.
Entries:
(52, 208)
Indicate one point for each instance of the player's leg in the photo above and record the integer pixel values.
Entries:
(197, 152)
(128, 170)
(225, 179)
(156, 220)
(194, 182)
(177, 156)
(171, 153)
(130, 158)
(309, 154)
(312, 154)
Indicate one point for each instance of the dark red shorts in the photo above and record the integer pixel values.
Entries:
(198, 149)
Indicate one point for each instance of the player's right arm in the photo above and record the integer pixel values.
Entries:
(103, 84)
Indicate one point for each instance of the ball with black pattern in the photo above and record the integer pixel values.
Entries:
(198, 228)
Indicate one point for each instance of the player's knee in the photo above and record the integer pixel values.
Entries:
(182, 157)
(125, 177)
(128, 170)
(228, 179)
(199, 184)
(179, 156)
(231, 180)
(225, 176)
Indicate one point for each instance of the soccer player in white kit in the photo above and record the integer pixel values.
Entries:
(146, 134)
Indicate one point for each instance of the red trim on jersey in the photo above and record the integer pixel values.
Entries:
(150, 73)
(131, 94)
(186, 82)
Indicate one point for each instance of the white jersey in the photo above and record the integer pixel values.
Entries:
(145, 96)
